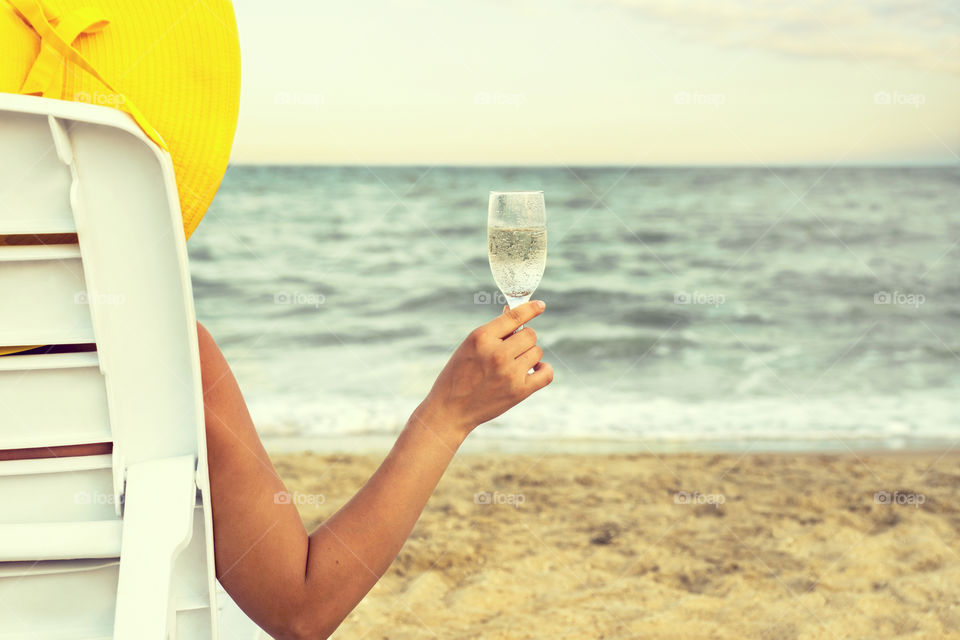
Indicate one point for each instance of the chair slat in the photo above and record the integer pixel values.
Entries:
(57, 600)
(60, 540)
(52, 399)
(32, 492)
(45, 297)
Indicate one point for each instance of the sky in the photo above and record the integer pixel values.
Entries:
(599, 82)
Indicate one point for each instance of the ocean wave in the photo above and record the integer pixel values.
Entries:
(656, 317)
(356, 335)
(580, 349)
(756, 422)
(648, 237)
(579, 203)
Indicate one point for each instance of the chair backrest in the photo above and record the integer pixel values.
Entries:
(93, 521)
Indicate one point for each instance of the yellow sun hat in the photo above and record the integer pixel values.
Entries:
(173, 65)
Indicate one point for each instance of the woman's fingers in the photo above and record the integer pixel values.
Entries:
(530, 357)
(520, 341)
(542, 375)
(506, 323)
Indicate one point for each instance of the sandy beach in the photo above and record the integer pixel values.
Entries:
(775, 546)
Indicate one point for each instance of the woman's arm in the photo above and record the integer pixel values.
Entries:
(298, 586)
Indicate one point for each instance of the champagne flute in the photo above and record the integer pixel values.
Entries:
(517, 242)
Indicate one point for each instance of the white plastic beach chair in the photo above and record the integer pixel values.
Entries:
(116, 545)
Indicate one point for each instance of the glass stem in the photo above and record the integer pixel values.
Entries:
(516, 302)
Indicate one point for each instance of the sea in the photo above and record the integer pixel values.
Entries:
(701, 308)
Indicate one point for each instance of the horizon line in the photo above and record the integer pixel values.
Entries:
(732, 165)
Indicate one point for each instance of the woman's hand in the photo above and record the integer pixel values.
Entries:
(487, 374)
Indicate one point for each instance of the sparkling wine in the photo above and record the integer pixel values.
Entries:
(518, 256)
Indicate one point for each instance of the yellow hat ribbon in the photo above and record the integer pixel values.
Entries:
(56, 47)
(46, 75)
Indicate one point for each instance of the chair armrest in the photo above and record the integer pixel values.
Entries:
(157, 525)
